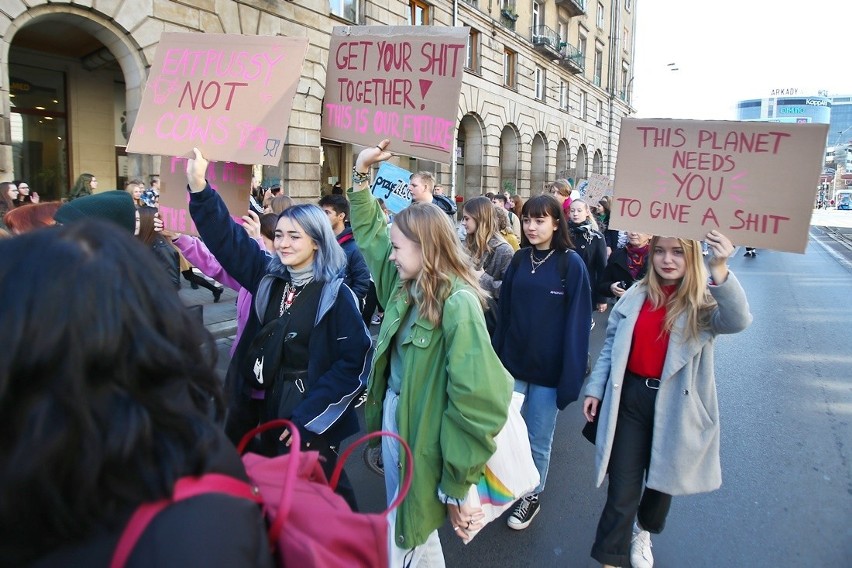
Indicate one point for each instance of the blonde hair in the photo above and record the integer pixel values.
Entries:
(443, 258)
(484, 213)
(691, 297)
(589, 217)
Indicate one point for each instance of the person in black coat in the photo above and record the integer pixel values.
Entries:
(166, 254)
(590, 245)
(116, 400)
(625, 266)
(357, 277)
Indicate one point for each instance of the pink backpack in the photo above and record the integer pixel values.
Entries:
(309, 524)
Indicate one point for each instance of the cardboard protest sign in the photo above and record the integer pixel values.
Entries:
(232, 182)
(752, 181)
(391, 185)
(228, 95)
(598, 185)
(396, 82)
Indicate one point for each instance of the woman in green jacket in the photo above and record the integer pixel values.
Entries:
(436, 380)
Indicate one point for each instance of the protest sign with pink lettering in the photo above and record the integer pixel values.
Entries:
(396, 82)
(753, 181)
(232, 181)
(598, 185)
(228, 95)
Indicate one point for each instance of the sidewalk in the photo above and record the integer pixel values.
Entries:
(220, 318)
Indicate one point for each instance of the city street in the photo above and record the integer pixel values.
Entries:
(785, 392)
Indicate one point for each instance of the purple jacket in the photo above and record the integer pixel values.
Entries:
(197, 253)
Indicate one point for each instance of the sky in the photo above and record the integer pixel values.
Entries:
(729, 50)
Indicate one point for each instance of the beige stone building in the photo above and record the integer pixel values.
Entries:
(545, 87)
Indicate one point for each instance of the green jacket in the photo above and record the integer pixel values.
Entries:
(455, 392)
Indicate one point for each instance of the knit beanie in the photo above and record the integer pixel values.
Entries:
(116, 206)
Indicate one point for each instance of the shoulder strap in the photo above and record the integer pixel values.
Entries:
(185, 488)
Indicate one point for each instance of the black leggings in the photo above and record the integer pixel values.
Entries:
(197, 280)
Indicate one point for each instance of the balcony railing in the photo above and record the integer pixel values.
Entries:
(574, 7)
(571, 58)
(545, 40)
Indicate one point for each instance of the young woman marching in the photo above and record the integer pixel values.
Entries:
(305, 352)
(490, 252)
(542, 333)
(656, 379)
(436, 381)
(590, 245)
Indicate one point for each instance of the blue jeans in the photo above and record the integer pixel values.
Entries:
(539, 412)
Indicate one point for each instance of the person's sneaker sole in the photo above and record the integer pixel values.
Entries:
(521, 526)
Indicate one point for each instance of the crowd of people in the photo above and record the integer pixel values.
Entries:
(118, 399)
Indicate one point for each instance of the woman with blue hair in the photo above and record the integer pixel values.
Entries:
(305, 353)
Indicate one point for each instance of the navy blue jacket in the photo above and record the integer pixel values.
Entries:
(357, 274)
(542, 334)
(340, 347)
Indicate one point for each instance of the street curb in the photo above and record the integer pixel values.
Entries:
(223, 329)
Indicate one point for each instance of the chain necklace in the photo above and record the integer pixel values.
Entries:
(536, 263)
(288, 297)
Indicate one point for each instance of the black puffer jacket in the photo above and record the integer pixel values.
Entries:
(616, 271)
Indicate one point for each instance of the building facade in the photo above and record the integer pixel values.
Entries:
(545, 87)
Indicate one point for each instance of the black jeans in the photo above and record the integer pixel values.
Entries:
(244, 416)
(628, 463)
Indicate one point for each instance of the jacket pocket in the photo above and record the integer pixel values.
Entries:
(421, 335)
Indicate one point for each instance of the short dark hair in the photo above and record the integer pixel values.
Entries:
(108, 393)
(501, 197)
(337, 202)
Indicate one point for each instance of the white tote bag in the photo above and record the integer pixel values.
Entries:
(510, 473)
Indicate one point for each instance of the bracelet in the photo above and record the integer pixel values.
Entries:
(358, 178)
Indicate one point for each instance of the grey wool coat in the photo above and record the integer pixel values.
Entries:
(685, 447)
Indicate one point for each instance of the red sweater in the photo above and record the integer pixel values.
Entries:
(650, 341)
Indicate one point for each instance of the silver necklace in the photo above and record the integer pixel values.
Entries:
(288, 297)
(536, 263)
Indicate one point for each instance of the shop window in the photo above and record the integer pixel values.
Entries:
(39, 134)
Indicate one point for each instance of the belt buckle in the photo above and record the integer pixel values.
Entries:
(647, 384)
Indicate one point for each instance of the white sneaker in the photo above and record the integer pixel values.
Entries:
(640, 549)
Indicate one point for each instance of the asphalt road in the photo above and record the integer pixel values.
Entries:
(785, 390)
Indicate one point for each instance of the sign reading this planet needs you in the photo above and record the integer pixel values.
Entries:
(753, 181)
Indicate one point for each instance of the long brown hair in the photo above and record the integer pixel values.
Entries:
(147, 234)
(691, 296)
(443, 258)
(482, 211)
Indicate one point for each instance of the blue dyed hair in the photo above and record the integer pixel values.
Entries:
(329, 260)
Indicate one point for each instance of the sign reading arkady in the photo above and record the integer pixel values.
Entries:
(228, 95)
(753, 181)
(396, 82)
(232, 182)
